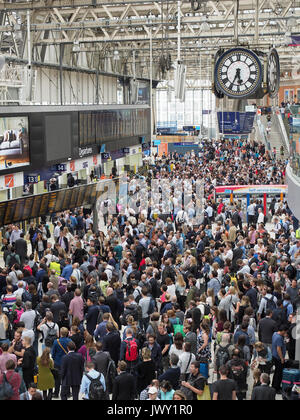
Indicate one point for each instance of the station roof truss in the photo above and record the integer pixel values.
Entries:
(119, 31)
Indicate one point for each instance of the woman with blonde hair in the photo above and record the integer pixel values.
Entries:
(180, 290)
(111, 319)
(241, 307)
(68, 234)
(45, 377)
(145, 370)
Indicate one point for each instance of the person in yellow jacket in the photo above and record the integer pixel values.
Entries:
(55, 266)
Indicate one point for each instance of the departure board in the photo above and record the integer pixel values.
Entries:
(44, 205)
(80, 196)
(35, 212)
(87, 195)
(10, 210)
(27, 208)
(32, 207)
(59, 200)
(67, 199)
(52, 202)
(19, 210)
(73, 199)
(2, 212)
(93, 193)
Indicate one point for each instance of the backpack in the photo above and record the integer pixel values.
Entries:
(96, 390)
(111, 374)
(12, 261)
(222, 356)
(270, 303)
(17, 313)
(237, 372)
(6, 390)
(51, 336)
(131, 354)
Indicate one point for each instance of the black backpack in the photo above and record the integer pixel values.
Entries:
(12, 261)
(222, 356)
(51, 336)
(96, 390)
(270, 303)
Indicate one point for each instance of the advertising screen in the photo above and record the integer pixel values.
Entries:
(14, 142)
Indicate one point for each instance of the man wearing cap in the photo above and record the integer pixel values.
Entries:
(152, 393)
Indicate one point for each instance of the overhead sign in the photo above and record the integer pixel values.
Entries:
(236, 122)
(252, 189)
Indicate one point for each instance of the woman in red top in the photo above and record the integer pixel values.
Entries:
(13, 378)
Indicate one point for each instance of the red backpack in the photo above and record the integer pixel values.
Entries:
(131, 354)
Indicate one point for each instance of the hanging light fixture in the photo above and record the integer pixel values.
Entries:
(116, 56)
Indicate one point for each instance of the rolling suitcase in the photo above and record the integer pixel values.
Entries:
(290, 377)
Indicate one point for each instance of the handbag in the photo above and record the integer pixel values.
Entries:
(206, 394)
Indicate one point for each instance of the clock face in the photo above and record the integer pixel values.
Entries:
(273, 73)
(238, 73)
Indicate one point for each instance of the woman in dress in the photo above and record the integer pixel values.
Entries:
(45, 376)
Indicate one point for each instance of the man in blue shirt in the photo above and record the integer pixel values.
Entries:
(214, 283)
(101, 331)
(68, 269)
(86, 382)
(278, 354)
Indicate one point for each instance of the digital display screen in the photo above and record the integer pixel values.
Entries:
(27, 208)
(73, 200)
(87, 195)
(9, 214)
(80, 196)
(52, 202)
(67, 199)
(2, 212)
(35, 212)
(19, 210)
(14, 142)
(59, 201)
(58, 136)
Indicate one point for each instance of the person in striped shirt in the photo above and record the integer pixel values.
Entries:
(9, 299)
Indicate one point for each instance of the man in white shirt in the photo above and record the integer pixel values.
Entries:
(57, 230)
(261, 216)
(251, 213)
(19, 292)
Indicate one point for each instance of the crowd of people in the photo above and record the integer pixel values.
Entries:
(154, 307)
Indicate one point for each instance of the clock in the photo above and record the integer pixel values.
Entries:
(238, 73)
(273, 76)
